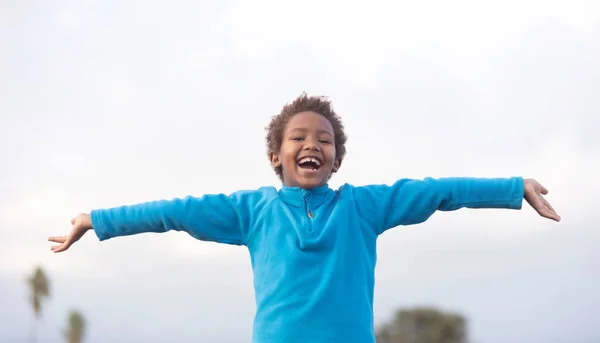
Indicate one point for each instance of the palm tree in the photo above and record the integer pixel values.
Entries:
(76, 329)
(39, 287)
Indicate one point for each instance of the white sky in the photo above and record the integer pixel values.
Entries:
(107, 103)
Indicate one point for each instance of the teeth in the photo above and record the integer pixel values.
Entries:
(310, 159)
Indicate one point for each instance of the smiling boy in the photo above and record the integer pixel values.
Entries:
(312, 248)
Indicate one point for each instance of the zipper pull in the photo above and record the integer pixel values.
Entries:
(308, 212)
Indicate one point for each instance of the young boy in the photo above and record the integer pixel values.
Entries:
(312, 248)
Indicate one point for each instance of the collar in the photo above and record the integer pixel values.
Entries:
(296, 196)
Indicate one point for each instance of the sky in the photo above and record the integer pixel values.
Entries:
(107, 103)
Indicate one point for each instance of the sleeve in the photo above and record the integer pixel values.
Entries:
(410, 201)
(217, 217)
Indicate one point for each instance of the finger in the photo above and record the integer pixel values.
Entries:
(544, 190)
(547, 204)
(66, 243)
(553, 213)
(59, 248)
(548, 213)
(57, 239)
(552, 210)
(73, 220)
(555, 217)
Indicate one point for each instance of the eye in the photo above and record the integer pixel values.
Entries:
(297, 138)
(324, 141)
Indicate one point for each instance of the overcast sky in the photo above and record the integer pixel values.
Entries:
(105, 103)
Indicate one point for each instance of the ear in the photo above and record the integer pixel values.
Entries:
(275, 162)
(336, 165)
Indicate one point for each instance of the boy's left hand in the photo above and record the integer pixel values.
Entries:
(534, 196)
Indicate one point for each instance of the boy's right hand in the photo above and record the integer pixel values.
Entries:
(81, 224)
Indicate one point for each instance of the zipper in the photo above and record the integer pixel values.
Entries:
(308, 213)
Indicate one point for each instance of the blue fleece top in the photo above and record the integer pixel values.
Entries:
(313, 252)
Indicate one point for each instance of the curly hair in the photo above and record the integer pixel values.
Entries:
(304, 103)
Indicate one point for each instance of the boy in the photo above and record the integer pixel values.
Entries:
(313, 249)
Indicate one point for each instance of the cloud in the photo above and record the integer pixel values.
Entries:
(360, 42)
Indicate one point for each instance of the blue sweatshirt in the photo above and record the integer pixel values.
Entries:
(313, 252)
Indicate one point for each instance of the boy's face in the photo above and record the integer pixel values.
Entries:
(307, 154)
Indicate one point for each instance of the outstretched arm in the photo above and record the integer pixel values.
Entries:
(219, 218)
(410, 201)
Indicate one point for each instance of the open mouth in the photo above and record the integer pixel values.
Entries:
(309, 163)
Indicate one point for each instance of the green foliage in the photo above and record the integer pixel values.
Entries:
(423, 325)
(76, 329)
(39, 287)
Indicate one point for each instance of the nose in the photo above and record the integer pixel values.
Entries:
(311, 144)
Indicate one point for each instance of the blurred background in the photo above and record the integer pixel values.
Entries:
(106, 103)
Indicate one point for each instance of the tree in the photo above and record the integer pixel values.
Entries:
(39, 287)
(76, 329)
(423, 325)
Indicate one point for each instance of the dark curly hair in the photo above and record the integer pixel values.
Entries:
(304, 103)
